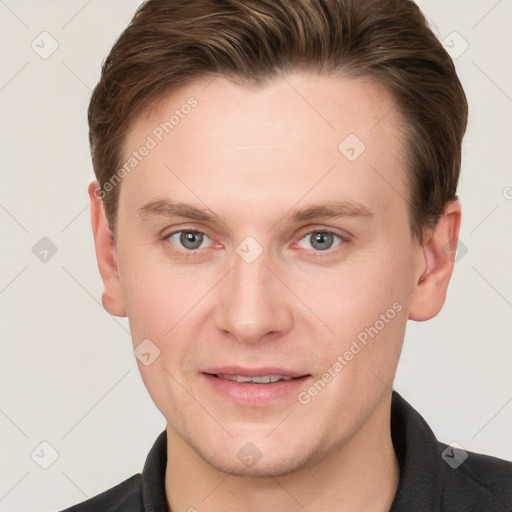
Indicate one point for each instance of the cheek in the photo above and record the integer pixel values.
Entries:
(364, 307)
(355, 294)
(164, 301)
(160, 303)
(149, 305)
(153, 295)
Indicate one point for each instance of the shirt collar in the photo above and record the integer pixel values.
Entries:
(153, 477)
(421, 466)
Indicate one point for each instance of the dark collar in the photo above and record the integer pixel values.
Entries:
(152, 483)
(421, 466)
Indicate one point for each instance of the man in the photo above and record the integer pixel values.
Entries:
(275, 199)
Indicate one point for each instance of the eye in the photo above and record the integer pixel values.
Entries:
(189, 240)
(320, 240)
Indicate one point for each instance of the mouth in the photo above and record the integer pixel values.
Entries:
(263, 379)
(255, 387)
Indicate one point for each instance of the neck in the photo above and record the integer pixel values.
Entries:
(361, 475)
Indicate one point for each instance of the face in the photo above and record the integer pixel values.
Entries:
(265, 232)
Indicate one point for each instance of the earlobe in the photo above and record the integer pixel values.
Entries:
(439, 255)
(112, 298)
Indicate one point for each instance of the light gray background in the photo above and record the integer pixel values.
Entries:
(68, 376)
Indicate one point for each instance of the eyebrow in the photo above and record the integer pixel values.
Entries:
(164, 208)
(330, 209)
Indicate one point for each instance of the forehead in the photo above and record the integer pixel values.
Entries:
(298, 134)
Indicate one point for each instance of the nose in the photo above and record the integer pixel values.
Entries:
(254, 305)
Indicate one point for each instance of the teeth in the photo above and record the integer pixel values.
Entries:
(264, 379)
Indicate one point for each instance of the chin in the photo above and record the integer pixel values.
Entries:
(260, 469)
(249, 462)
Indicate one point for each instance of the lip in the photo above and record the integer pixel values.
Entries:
(251, 394)
(253, 372)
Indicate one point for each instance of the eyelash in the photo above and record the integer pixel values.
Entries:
(191, 253)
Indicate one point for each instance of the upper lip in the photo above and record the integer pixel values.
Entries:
(253, 372)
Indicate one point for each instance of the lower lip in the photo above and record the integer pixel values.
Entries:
(245, 393)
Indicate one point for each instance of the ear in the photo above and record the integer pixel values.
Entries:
(439, 256)
(112, 298)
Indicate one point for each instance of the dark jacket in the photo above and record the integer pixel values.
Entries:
(434, 477)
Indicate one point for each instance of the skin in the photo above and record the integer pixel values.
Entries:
(251, 157)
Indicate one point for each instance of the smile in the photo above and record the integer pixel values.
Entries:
(263, 379)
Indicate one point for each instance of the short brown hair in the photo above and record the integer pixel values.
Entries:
(172, 42)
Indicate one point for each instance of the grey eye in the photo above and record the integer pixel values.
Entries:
(320, 240)
(188, 239)
(191, 240)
